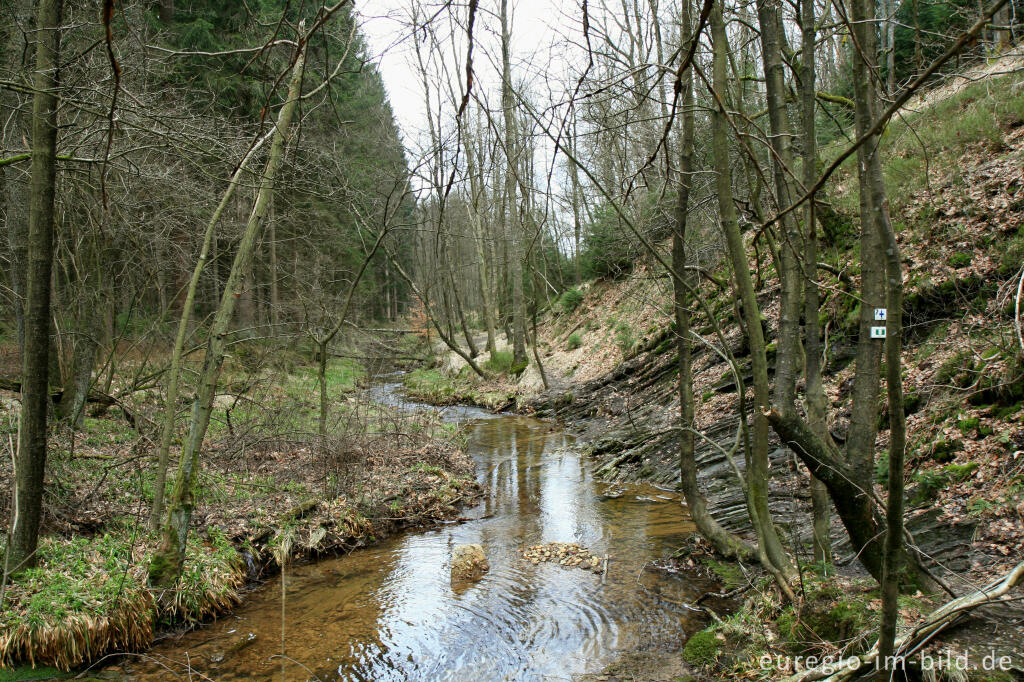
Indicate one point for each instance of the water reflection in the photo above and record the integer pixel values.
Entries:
(389, 612)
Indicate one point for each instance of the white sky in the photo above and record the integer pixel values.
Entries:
(538, 28)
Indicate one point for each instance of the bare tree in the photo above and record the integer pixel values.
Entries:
(35, 395)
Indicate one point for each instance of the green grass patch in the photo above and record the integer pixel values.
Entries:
(625, 337)
(500, 362)
(975, 115)
(88, 596)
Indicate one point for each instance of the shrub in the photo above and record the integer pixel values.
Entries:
(569, 300)
(943, 449)
(574, 341)
(960, 259)
(929, 483)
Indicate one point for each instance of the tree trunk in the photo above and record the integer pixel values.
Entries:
(323, 343)
(894, 548)
(457, 303)
(481, 240)
(574, 179)
(71, 407)
(724, 542)
(167, 562)
(787, 359)
(774, 555)
(166, 11)
(171, 400)
(852, 503)
(447, 339)
(31, 454)
(511, 155)
(860, 446)
(275, 296)
(815, 391)
(13, 193)
(889, 32)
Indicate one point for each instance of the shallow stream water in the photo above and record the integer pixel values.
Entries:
(389, 612)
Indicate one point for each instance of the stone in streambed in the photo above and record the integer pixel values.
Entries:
(469, 563)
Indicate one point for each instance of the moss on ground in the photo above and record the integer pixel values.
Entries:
(702, 648)
(729, 573)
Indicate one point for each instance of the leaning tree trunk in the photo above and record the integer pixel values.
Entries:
(722, 540)
(171, 400)
(35, 362)
(773, 556)
(167, 562)
(449, 340)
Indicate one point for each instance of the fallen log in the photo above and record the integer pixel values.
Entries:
(299, 511)
(95, 397)
(911, 642)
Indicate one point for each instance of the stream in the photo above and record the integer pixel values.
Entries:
(389, 612)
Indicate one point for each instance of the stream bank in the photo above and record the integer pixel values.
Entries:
(266, 492)
(390, 612)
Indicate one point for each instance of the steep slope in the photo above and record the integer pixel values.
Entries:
(954, 170)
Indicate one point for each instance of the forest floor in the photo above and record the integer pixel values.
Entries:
(268, 491)
(958, 210)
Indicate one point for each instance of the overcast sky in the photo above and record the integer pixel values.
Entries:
(538, 27)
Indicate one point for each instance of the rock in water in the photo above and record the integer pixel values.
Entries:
(468, 563)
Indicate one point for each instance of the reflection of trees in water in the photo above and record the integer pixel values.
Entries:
(389, 611)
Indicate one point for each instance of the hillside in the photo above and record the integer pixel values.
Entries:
(722, 302)
(611, 363)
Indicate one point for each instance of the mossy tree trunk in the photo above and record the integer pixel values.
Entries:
(771, 552)
(724, 542)
(165, 567)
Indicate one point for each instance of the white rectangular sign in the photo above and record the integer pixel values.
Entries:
(880, 314)
(878, 332)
